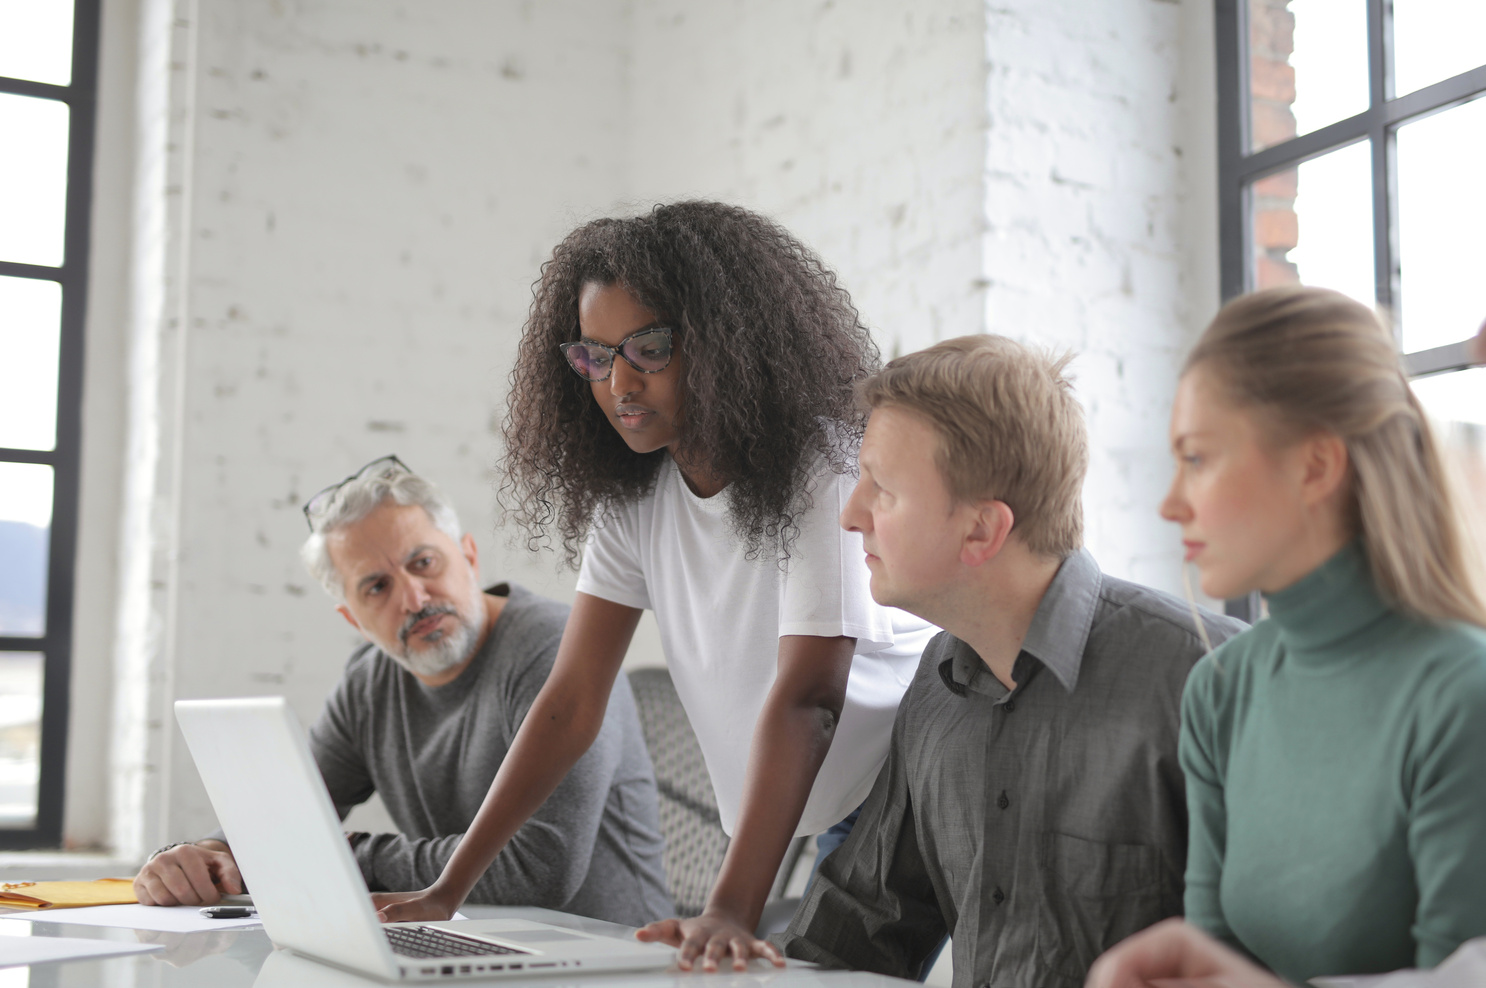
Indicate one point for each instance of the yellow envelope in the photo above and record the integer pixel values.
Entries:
(62, 895)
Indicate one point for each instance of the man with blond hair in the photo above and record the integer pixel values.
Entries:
(1031, 807)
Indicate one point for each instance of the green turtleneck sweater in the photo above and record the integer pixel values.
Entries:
(1335, 756)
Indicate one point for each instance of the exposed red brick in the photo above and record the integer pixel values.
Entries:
(1276, 228)
(1270, 272)
(1271, 28)
(1270, 123)
(1270, 78)
(1280, 185)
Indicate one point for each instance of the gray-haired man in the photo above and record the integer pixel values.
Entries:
(427, 708)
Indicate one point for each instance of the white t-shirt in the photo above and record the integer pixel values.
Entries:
(721, 616)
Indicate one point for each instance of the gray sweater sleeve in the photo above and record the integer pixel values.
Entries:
(333, 741)
(548, 858)
(545, 862)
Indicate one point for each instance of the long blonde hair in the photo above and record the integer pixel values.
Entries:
(1309, 360)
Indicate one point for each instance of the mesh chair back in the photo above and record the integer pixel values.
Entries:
(695, 841)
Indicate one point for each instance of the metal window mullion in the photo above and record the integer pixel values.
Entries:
(1380, 135)
(60, 573)
(22, 643)
(1298, 150)
(40, 90)
(1436, 360)
(1334, 136)
(46, 456)
(1234, 254)
(56, 644)
(39, 272)
(1384, 221)
(1441, 96)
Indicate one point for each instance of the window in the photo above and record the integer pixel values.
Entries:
(48, 69)
(1351, 138)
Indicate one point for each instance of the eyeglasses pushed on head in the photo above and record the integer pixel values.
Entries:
(382, 467)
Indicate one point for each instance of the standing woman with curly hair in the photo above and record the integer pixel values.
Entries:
(1335, 753)
(682, 414)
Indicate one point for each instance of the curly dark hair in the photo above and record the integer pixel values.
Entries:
(773, 349)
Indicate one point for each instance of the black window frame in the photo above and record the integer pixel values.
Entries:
(55, 644)
(1238, 169)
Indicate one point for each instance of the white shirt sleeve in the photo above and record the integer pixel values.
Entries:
(826, 588)
(611, 561)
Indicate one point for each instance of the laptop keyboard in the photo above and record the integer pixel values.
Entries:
(422, 941)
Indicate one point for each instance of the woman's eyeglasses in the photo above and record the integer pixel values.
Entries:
(382, 467)
(647, 351)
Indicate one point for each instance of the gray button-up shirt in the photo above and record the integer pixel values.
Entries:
(1037, 827)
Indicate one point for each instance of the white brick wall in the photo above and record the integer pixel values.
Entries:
(858, 125)
(1101, 230)
(339, 208)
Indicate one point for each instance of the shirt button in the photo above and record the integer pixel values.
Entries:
(1002, 801)
(1010, 705)
(998, 895)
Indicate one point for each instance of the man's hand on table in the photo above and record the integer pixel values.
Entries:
(189, 875)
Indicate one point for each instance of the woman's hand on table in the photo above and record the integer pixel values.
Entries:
(710, 938)
(1174, 951)
(409, 907)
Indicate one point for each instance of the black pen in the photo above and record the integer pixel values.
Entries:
(228, 912)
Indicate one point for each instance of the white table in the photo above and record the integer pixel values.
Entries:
(246, 959)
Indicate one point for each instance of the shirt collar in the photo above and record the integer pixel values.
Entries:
(1060, 628)
(1056, 637)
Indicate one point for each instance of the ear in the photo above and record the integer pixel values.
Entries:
(345, 612)
(1324, 467)
(471, 553)
(989, 529)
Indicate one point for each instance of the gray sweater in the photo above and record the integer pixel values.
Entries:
(594, 848)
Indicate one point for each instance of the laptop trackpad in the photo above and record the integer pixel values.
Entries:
(522, 931)
(542, 936)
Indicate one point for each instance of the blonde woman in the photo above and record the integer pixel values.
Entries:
(1335, 754)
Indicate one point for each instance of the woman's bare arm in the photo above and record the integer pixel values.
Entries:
(790, 741)
(563, 721)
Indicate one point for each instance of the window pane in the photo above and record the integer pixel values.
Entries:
(36, 40)
(1441, 219)
(20, 737)
(30, 333)
(1307, 66)
(1313, 224)
(33, 179)
(25, 528)
(1454, 402)
(1435, 39)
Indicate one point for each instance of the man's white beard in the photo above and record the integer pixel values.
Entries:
(440, 656)
(452, 648)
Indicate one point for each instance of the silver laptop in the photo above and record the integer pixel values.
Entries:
(269, 797)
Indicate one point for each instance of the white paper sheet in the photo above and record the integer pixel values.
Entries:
(38, 950)
(166, 919)
(1466, 968)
